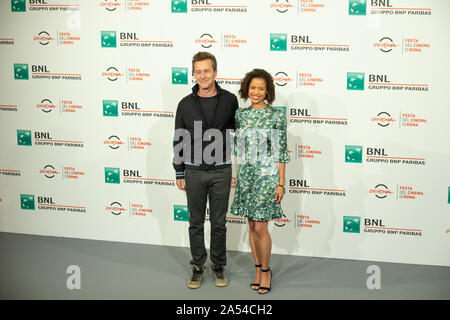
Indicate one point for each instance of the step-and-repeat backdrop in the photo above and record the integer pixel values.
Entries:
(89, 89)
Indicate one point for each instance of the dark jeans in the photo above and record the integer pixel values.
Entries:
(214, 185)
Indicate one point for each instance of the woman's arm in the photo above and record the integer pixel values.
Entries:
(280, 189)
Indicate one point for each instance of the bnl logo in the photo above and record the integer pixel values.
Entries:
(353, 154)
(18, 6)
(21, 71)
(180, 213)
(179, 75)
(179, 6)
(24, 137)
(110, 108)
(27, 201)
(278, 42)
(108, 39)
(355, 80)
(352, 224)
(357, 7)
(112, 175)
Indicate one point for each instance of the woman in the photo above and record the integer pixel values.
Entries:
(261, 129)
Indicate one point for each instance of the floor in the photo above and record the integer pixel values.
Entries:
(40, 267)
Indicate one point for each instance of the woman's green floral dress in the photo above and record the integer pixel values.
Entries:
(259, 145)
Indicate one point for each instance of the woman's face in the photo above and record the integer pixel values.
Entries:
(257, 91)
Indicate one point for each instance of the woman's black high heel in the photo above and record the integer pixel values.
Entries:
(265, 288)
(255, 284)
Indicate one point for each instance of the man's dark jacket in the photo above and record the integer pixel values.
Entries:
(188, 111)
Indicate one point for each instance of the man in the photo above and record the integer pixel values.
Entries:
(204, 119)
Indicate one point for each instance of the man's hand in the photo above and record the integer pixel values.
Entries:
(180, 184)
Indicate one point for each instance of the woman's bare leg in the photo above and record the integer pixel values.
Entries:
(263, 246)
(252, 240)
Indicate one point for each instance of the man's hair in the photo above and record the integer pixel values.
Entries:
(203, 55)
(258, 73)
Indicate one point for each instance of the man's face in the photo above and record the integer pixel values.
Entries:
(204, 74)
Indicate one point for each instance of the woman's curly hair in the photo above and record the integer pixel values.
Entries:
(258, 73)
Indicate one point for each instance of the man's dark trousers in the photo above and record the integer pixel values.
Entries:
(214, 185)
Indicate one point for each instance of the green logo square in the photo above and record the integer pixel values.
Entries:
(357, 7)
(355, 80)
(353, 154)
(24, 137)
(110, 108)
(108, 39)
(448, 194)
(179, 6)
(179, 75)
(112, 175)
(278, 42)
(20, 71)
(27, 201)
(180, 213)
(352, 224)
(18, 6)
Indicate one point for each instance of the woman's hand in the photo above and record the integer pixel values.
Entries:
(279, 194)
